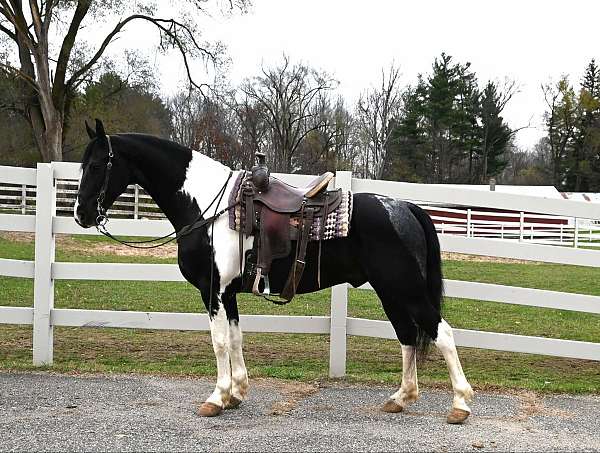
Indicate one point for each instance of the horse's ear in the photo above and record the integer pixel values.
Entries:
(100, 129)
(91, 132)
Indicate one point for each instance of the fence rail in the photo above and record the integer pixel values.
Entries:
(45, 270)
(513, 225)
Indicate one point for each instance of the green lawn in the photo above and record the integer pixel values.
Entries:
(304, 356)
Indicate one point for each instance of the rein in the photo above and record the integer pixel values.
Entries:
(102, 218)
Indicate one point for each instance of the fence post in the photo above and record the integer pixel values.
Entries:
(43, 293)
(469, 222)
(521, 225)
(339, 306)
(24, 199)
(561, 233)
(576, 233)
(136, 200)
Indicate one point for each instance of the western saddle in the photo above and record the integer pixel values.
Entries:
(276, 214)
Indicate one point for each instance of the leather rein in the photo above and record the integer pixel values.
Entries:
(102, 218)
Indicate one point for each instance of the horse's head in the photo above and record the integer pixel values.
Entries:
(103, 177)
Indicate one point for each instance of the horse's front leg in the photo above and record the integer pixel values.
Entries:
(219, 331)
(239, 374)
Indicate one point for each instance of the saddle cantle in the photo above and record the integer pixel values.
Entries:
(276, 214)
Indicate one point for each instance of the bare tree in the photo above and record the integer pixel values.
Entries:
(375, 110)
(286, 96)
(253, 129)
(51, 71)
(186, 109)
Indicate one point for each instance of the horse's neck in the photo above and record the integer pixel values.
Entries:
(182, 182)
(204, 180)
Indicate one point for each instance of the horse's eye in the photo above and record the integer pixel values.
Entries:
(94, 167)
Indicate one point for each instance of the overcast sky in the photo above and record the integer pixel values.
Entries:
(530, 41)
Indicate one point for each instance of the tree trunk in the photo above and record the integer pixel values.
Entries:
(48, 132)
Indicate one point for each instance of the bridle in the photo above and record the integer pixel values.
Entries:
(102, 214)
(102, 218)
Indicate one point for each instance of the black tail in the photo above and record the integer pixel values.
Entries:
(435, 282)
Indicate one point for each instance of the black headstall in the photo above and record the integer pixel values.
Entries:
(102, 214)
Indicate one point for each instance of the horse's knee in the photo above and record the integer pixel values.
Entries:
(220, 347)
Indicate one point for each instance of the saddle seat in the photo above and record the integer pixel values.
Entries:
(285, 198)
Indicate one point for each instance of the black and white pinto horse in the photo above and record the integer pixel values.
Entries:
(392, 245)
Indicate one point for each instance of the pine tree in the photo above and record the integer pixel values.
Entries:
(495, 133)
(586, 144)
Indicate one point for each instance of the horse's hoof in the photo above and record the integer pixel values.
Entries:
(457, 416)
(392, 407)
(207, 409)
(233, 403)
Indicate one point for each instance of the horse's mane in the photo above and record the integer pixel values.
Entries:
(152, 140)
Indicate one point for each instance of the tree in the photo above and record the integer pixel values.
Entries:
(376, 109)
(253, 128)
(561, 120)
(450, 130)
(409, 144)
(527, 167)
(286, 95)
(51, 66)
(495, 133)
(17, 146)
(125, 105)
(449, 114)
(584, 171)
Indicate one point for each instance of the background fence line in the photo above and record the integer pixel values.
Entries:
(44, 270)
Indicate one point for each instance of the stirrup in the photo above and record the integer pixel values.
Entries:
(265, 278)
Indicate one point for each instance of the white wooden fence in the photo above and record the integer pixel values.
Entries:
(44, 270)
(135, 203)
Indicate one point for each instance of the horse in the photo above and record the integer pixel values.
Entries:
(392, 244)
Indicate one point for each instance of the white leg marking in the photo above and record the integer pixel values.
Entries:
(462, 389)
(204, 178)
(239, 374)
(409, 388)
(219, 330)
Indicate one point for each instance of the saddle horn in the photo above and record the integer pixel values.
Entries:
(260, 173)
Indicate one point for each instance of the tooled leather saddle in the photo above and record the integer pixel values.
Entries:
(276, 214)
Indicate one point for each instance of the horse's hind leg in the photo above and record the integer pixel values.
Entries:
(406, 331)
(462, 389)
(409, 387)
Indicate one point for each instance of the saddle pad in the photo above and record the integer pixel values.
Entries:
(338, 221)
(336, 226)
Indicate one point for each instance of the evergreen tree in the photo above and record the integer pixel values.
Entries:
(449, 130)
(409, 145)
(586, 144)
(495, 133)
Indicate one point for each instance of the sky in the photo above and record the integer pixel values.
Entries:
(528, 41)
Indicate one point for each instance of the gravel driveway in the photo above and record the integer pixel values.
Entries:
(44, 411)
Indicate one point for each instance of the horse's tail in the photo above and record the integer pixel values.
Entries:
(434, 279)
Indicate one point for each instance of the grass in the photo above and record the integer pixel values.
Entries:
(303, 357)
